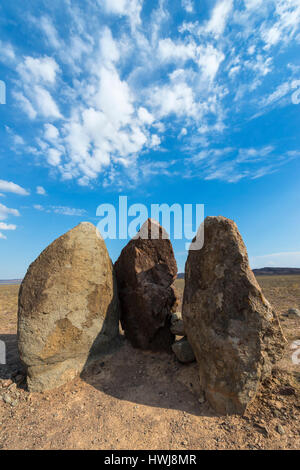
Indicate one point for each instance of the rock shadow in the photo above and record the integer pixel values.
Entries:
(13, 364)
(147, 378)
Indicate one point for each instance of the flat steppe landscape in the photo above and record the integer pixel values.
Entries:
(140, 400)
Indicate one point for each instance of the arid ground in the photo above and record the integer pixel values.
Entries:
(137, 400)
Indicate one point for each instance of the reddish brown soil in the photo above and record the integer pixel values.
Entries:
(137, 400)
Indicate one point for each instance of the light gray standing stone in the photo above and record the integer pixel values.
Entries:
(68, 308)
(233, 330)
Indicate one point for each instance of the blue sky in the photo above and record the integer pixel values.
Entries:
(170, 101)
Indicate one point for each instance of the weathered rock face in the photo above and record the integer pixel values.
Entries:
(68, 308)
(234, 332)
(146, 270)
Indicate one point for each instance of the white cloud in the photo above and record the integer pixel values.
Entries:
(4, 226)
(51, 132)
(169, 51)
(25, 104)
(41, 191)
(253, 4)
(117, 106)
(108, 47)
(260, 64)
(39, 101)
(10, 187)
(36, 74)
(155, 141)
(210, 60)
(17, 139)
(45, 104)
(50, 32)
(271, 36)
(6, 211)
(281, 91)
(130, 8)
(144, 116)
(218, 20)
(231, 164)
(3, 237)
(39, 70)
(62, 210)
(188, 5)
(122, 88)
(176, 97)
(54, 157)
(7, 53)
(286, 24)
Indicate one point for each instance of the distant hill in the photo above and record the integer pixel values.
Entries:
(11, 281)
(265, 272)
(276, 271)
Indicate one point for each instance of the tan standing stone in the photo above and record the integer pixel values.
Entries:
(68, 308)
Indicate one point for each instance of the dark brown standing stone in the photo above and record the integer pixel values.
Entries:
(146, 270)
(233, 330)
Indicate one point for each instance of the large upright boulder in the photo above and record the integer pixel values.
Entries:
(146, 270)
(233, 330)
(68, 308)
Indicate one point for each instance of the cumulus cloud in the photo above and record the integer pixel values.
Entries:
(41, 191)
(176, 97)
(10, 187)
(51, 132)
(5, 212)
(42, 69)
(36, 74)
(169, 51)
(54, 157)
(210, 60)
(105, 96)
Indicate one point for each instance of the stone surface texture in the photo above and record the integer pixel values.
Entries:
(233, 330)
(146, 271)
(68, 308)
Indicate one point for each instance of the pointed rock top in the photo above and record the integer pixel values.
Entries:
(152, 230)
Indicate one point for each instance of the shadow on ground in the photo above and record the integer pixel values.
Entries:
(128, 374)
(146, 378)
(13, 364)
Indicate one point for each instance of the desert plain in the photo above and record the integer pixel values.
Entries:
(141, 400)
